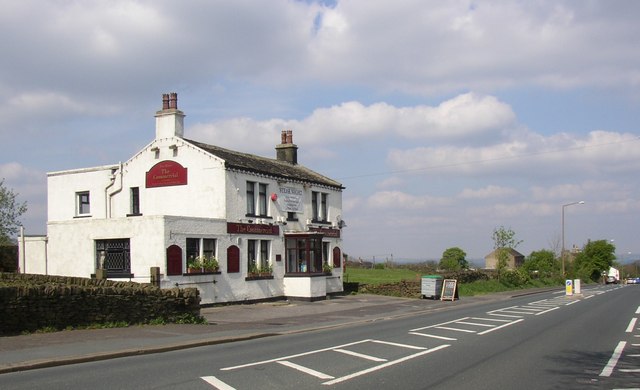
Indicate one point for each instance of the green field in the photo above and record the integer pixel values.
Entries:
(379, 276)
(395, 275)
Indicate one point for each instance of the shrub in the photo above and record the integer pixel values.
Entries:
(514, 278)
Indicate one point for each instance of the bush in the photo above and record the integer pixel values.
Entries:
(466, 276)
(514, 278)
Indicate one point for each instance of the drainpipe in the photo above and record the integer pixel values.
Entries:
(109, 194)
(24, 255)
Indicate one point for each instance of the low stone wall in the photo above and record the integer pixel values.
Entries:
(31, 302)
(404, 288)
(8, 258)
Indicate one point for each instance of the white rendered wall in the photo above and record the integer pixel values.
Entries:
(32, 256)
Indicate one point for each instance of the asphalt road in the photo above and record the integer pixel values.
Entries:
(542, 341)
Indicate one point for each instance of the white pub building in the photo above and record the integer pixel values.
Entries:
(237, 226)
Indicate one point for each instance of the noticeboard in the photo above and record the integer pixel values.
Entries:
(449, 290)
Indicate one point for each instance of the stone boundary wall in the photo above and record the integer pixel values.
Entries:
(30, 302)
(8, 258)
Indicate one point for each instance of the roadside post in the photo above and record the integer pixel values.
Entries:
(569, 287)
(576, 286)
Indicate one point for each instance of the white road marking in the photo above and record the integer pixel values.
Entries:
(489, 319)
(360, 355)
(608, 369)
(433, 336)
(505, 315)
(217, 383)
(306, 370)
(455, 329)
(499, 327)
(391, 363)
(638, 310)
(475, 324)
(397, 344)
(632, 324)
(546, 311)
(442, 323)
(294, 356)
(629, 369)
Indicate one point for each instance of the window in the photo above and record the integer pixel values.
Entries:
(251, 198)
(262, 199)
(201, 247)
(83, 204)
(135, 201)
(258, 255)
(114, 256)
(323, 207)
(319, 206)
(314, 206)
(325, 253)
(257, 206)
(304, 254)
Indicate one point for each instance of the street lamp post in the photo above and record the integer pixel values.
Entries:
(562, 253)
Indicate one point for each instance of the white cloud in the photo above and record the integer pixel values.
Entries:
(391, 200)
(566, 155)
(465, 116)
(487, 192)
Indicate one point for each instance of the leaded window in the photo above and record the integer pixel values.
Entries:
(114, 256)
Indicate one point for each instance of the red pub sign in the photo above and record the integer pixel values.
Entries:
(250, 228)
(328, 232)
(166, 173)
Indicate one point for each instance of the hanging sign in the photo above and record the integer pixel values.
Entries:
(166, 173)
(449, 290)
(289, 199)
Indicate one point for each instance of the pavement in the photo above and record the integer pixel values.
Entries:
(225, 324)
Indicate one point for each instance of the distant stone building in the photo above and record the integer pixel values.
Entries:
(516, 259)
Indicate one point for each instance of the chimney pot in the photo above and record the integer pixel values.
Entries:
(173, 100)
(165, 101)
(287, 151)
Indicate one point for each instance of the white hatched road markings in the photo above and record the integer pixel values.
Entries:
(285, 361)
(495, 320)
(610, 367)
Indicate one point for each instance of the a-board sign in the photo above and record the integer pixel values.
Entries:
(449, 290)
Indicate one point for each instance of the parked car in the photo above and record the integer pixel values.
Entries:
(633, 280)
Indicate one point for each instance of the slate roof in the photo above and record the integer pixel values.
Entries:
(266, 166)
(512, 252)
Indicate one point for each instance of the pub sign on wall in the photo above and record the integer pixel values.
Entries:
(166, 173)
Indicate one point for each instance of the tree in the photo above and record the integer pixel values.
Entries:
(503, 240)
(453, 259)
(595, 258)
(10, 211)
(543, 261)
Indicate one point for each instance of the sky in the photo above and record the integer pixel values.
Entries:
(444, 120)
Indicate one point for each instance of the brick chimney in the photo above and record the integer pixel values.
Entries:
(287, 151)
(169, 120)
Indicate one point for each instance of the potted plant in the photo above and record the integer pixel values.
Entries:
(253, 269)
(194, 265)
(266, 271)
(326, 268)
(210, 264)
